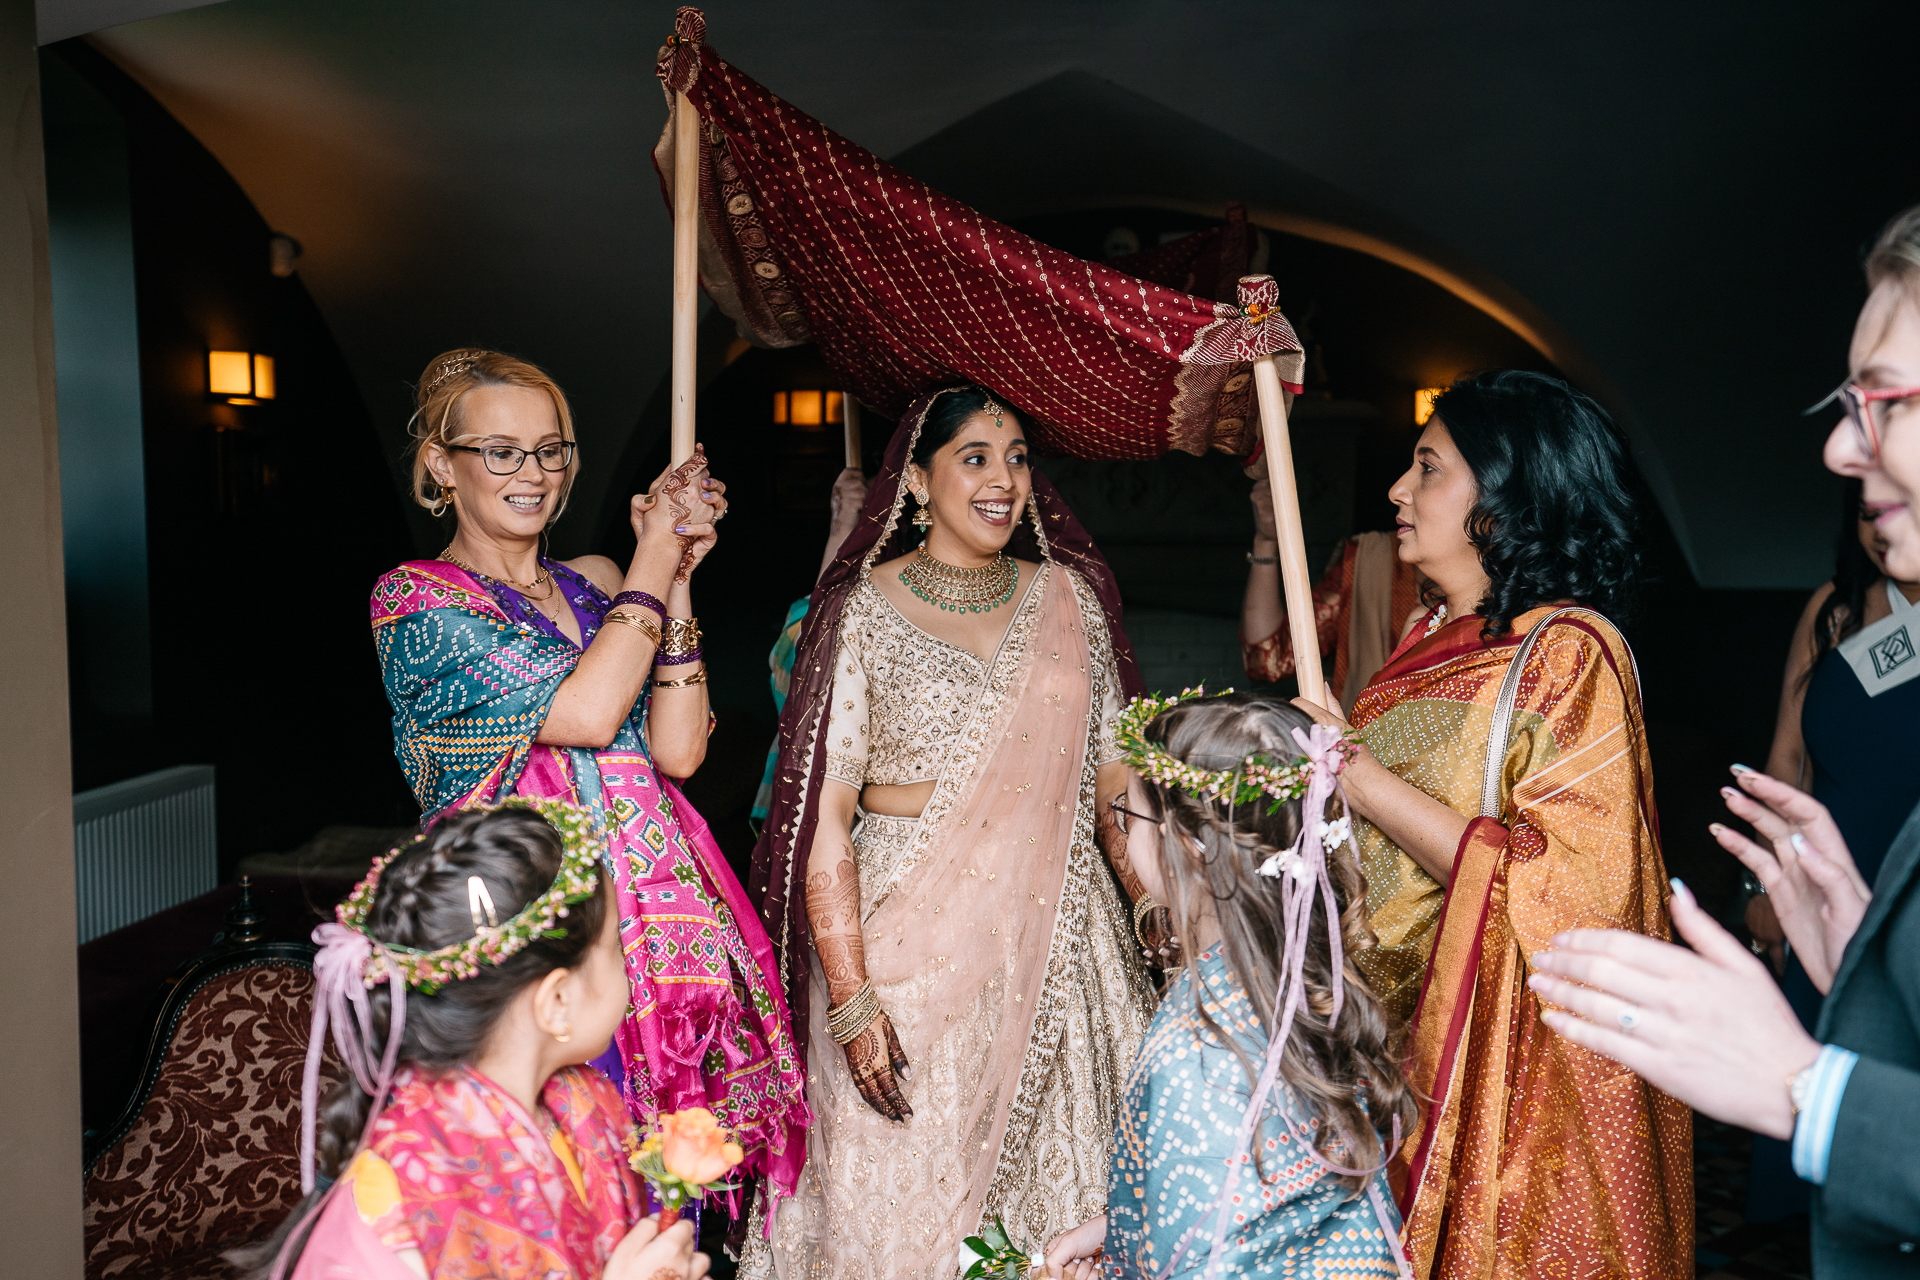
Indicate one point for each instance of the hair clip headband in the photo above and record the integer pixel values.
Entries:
(582, 844)
(451, 367)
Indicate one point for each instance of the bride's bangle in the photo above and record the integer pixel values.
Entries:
(847, 1020)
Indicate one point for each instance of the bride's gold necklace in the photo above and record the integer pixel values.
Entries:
(541, 577)
(957, 590)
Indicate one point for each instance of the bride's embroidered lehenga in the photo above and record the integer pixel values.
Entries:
(996, 939)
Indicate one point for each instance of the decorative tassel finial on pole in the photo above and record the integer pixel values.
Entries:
(1260, 302)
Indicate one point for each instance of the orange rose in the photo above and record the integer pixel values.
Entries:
(694, 1147)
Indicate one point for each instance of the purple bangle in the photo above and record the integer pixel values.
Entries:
(675, 659)
(641, 597)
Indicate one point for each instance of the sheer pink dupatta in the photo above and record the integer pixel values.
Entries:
(965, 930)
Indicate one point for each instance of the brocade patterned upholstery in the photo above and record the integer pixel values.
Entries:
(213, 1160)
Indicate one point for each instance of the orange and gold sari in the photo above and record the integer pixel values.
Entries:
(1534, 1157)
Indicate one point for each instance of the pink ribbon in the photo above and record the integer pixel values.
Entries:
(1327, 754)
(340, 985)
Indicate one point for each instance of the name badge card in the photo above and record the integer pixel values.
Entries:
(1887, 654)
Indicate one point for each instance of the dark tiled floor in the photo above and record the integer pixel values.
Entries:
(1727, 1244)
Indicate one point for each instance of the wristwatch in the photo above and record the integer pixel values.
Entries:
(1798, 1084)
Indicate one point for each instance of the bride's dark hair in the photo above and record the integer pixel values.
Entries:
(1348, 1070)
(944, 416)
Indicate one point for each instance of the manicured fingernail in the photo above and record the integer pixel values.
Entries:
(1537, 982)
(1729, 793)
(1680, 890)
(1740, 768)
(679, 528)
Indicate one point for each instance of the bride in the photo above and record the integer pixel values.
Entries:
(966, 975)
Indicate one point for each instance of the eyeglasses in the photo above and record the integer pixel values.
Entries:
(1868, 411)
(506, 460)
(1121, 813)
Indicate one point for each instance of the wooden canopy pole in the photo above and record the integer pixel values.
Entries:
(686, 273)
(1301, 619)
(850, 420)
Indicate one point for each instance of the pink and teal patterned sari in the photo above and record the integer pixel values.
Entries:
(471, 670)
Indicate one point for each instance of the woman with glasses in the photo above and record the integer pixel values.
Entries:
(1849, 732)
(1707, 1024)
(1505, 793)
(511, 673)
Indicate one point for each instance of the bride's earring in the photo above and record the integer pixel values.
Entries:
(923, 518)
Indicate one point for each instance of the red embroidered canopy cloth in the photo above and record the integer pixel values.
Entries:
(806, 237)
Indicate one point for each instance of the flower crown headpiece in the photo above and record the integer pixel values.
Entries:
(582, 843)
(1281, 779)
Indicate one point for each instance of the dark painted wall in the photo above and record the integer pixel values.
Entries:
(265, 525)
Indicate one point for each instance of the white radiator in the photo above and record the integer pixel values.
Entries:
(143, 845)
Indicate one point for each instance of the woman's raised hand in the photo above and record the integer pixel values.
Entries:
(648, 1253)
(1816, 892)
(1262, 497)
(683, 504)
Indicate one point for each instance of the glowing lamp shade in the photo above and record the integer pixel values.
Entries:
(242, 375)
(230, 373)
(834, 403)
(1423, 404)
(805, 408)
(780, 407)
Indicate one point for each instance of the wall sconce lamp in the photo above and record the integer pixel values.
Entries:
(1423, 404)
(242, 377)
(812, 409)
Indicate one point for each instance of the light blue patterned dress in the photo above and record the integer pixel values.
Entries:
(1179, 1119)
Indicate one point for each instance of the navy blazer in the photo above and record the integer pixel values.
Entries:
(1866, 1220)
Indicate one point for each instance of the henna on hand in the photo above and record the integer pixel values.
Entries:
(677, 492)
(833, 908)
(1113, 841)
(875, 1059)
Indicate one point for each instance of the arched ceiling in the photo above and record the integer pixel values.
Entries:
(1677, 194)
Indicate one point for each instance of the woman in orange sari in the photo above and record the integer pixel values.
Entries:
(1534, 1157)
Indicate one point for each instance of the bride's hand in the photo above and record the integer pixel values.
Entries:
(876, 1060)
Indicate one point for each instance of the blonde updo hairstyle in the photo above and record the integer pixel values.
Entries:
(436, 413)
(1896, 254)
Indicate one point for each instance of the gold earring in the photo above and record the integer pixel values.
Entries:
(923, 518)
(566, 1037)
(444, 501)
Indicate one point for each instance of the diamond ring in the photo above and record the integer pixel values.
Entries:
(1629, 1019)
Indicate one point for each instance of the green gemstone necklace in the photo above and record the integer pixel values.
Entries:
(957, 590)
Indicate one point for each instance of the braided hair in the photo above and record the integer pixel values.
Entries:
(1347, 1072)
(422, 903)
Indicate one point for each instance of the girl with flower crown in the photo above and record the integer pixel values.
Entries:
(1256, 1124)
(472, 976)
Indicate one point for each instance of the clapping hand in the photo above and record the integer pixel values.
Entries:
(1707, 1026)
(1816, 892)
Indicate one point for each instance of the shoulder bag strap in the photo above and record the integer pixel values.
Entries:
(1502, 726)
